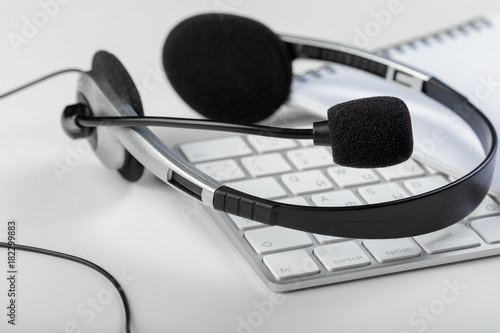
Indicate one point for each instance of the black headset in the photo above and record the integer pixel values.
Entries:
(233, 69)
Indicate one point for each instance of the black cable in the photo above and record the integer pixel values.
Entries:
(85, 262)
(43, 78)
(61, 255)
(204, 124)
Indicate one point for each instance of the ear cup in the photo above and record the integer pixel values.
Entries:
(227, 67)
(109, 65)
(120, 80)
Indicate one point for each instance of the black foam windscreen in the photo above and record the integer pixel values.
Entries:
(117, 76)
(370, 132)
(228, 68)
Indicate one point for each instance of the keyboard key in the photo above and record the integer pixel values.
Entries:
(295, 201)
(263, 144)
(340, 256)
(345, 177)
(273, 239)
(223, 170)
(382, 192)
(487, 207)
(387, 250)
(452, 238)
(430, 170)
(309, 158)
(305, 182)
(245, 224)
(336, 198)
(325, 239)
(290, 264)
(266, 187)
(424, 184)
(215, 149)
(265, 165)
(409, 168)
(488, 228)
(306, 143)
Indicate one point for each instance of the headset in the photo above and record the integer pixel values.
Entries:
(237, 71)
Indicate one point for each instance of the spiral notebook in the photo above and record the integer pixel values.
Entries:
(465, 56)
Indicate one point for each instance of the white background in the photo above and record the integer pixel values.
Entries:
(179, 272)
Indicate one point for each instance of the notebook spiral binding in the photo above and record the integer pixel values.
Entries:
(474, 25)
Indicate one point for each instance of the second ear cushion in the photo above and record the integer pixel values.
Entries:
(120, 80)
(116, 74)
(228, 68)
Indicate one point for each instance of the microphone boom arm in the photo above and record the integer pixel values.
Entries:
(201, 124)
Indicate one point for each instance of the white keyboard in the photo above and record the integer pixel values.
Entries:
(298, 173)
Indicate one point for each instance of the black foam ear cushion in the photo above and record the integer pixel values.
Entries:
(120, 80)
(116, 74)
(227, 67)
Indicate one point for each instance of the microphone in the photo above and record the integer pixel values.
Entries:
(371, 132)
(365, 133)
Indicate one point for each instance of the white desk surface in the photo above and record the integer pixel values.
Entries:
(179, 272)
